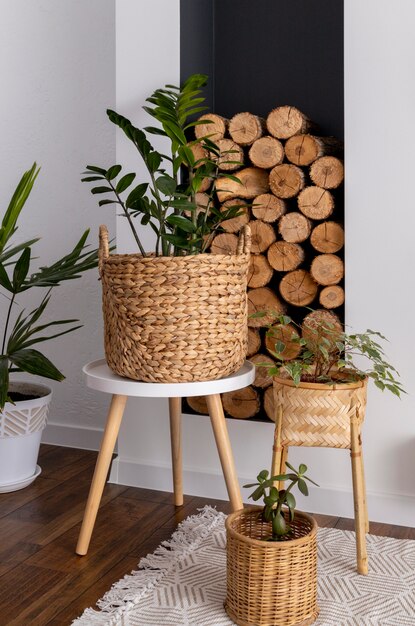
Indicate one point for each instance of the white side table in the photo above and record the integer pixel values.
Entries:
(100, 377)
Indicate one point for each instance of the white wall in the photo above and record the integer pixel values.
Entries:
(380, 56)
(57, 70)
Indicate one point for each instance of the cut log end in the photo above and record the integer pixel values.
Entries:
(327, 269)
(263, 300)
(289, 336)
(294, 227)
(269, 403)
(252, 182)
(298, 288)
(305, 149)
(315, 202)
(268, 207)
(327, 172)
(262, 236)
(198, 404)
(322, 323)
(262, 377)
(284, 256)
(242, 403)
(234, 224)
(225, 243)
(332, 297)
(286, 180)
(286, 121)
(245, 128)
(266, 152)
(231, 155)
(254, 342)
(259, 272)
(215, 129)
(327, 237)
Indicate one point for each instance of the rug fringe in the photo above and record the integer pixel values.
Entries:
(128, 591)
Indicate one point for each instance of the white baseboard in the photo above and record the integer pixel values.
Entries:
(388, 508)
(72, 436)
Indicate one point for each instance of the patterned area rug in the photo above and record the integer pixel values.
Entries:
(184, 582)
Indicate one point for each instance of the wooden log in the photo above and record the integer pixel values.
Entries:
(202, 202)
(327, 172)
(287, 334)
(305, 149)
(268, 208)
(331, 297)
(254, 342)
(253, 182)
(266, 152)
(298, 288)
(245, 128)
(286, 121)
(327, 269)
(205, 184)
(198, 404)
(315, 202)
(259, 271)
(262, 377)
(242, 403)
(269, 403)
(263, 300)
(314, 324)
(231, 155)
(215, 129)
(234, 224)
(199, 153)
(294, 227)
(327, 237)
(262, 236)
(225, 243)
(284, 256)
(286, 180)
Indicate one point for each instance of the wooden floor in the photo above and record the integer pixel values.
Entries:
(43, 582)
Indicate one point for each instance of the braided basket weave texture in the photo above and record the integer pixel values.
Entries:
(174, 319)
(270, 583)
(314, 414)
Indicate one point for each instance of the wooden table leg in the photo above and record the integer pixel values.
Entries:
(112, 428)
(367, 525)
(358, 497)
(223, 445)
(175, 409)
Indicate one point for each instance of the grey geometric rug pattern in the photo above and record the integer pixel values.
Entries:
(183, 583)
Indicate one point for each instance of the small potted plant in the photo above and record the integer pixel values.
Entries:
(272, 556)
(176, 314)
(23, 404)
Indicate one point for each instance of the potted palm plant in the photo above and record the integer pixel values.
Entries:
(23, 404)
(272, 556)
(176, 314)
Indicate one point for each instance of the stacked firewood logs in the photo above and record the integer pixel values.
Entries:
(290, 193)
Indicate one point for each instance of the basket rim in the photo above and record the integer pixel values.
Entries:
(136, 256)
(357, 384)
(281, 545)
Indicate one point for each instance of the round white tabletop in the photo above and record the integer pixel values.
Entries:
(100, 377)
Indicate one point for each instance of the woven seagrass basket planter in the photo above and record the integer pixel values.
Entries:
(174, 319)
(316, 414)
(270, 583)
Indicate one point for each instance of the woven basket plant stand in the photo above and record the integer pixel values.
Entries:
(317, 415)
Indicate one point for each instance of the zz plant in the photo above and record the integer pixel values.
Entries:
(167, 203)
(277, 501)
(22, 330)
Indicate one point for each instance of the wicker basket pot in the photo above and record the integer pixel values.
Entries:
(175, 319)
(316, 414)
(270, 583)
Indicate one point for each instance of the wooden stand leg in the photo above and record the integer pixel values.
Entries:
(223, 445)
(367, 525)
(279, 454)
(284, 458)
(101, 470)
(358, 497)
(175, 410)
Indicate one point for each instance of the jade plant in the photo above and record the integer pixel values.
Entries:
(280, 504)
(327, 354)
(168, 202)
(21, 329)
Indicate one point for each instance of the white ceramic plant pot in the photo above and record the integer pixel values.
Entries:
(21, 426)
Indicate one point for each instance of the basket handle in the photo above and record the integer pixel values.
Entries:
(103, 251)
(244, 243)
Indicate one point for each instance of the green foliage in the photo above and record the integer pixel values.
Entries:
(17, 353)
(276, 499)
(168, 202)
(329, 355)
